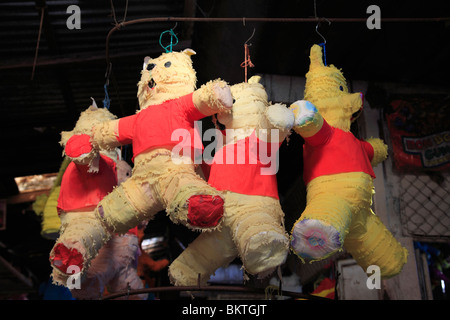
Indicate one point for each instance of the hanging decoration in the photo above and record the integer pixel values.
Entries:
(339, 177)
(90, 175)
(158, 182)
(253, 227)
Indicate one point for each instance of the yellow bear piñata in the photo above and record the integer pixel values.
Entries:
(339, 177)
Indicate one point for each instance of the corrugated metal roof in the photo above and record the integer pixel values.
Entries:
(70, 69)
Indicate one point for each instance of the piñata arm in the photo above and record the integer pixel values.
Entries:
(213, 97)
(308, 120)
(280, 118)
(111, 134)
(379, 150)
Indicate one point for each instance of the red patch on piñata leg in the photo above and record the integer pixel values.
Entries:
(63, 257)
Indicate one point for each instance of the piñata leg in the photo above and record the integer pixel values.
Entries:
(258, 232)
(371, 243)
(98, 274)
(331, 202)
(119, 211)
(80, 239)
(208, 252)
(322, 227)
(187, 197)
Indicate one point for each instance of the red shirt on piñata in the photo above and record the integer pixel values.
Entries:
(152, 127)
(246, 178)
(82, 190)
(332, 151)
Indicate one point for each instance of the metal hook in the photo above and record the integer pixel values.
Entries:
(323, 44)
(253, 33)
(317, 29)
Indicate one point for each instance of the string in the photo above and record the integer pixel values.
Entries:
(324, 53)
(247, 61)
(171, 44)
(106, 101)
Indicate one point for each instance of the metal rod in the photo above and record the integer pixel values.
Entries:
(245, 19)
(38, 41)
(209, 288)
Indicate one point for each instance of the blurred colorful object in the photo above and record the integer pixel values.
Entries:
(45, 206)
(326, 288)
(420, 134)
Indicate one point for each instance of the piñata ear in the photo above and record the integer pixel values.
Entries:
(146, 60)
(254, 79)
(93, 106)
(189, 52)
(316, 57)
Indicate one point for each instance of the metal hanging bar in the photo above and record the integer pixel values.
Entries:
(127, 293)
(119, 26)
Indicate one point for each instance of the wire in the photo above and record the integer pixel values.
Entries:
(113, 10)
(38, 41)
